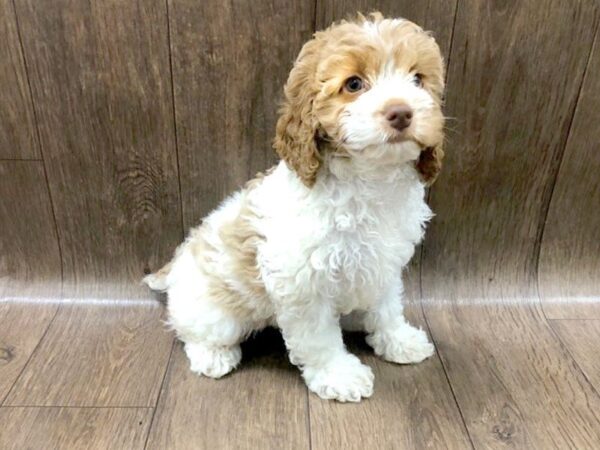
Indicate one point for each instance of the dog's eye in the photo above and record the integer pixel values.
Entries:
(418, 80)
(353, 84)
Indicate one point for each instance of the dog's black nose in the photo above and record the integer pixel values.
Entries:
(399, 116)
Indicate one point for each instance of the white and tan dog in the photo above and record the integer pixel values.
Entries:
(323, 237)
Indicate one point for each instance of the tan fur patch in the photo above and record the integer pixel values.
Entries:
(243, 288)
(429, 164)
(242, 239)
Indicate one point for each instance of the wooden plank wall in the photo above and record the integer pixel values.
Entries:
(569, 264)
(228, 71)
(130, 134)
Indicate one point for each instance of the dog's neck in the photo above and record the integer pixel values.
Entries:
(378, 164)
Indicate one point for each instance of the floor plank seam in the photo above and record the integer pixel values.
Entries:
(537, 249)
(176, 139)
(40, 146)
(30, 357)
(439, 356)
(564, 346)
(450, 50)
(438, 353)
(160, 392)
(310, 445)
(548, 321)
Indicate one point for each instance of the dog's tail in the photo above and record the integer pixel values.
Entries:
(157, 281)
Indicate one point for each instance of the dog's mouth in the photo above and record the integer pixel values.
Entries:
(401, 137)
(398, 138)
(395, 136)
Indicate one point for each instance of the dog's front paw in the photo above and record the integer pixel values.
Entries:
(344, 379)
(403, 345)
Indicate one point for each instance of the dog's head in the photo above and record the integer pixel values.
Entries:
(364, 90)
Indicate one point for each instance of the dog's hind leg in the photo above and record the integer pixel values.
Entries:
(212, 361)
(211, 334)
(211, 337)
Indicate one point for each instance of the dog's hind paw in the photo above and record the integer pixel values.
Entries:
(212, 362)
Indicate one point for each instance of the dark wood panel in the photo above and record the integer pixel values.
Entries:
(18, 138)
(433, 15)
(74, 428)
(23, 325)
(97, 355)
(262, 404)
(569, 268)
(514, 382)
(230, 61)
(29, 252)
(513, 109)
(100, 79)
(581, 338)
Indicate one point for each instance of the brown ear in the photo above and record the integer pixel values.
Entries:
(429, 164)
(296, 132)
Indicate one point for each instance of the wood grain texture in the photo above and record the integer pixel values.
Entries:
(29, 251)
(581, 337)
(433, 15)
(18, 138)
(100, 79)
(74, 428)
(502, 160)
(262, 404)
(514, 382)
(569, 267)
(98, 355)
(230, 61)
(29, 265)
(23, 325)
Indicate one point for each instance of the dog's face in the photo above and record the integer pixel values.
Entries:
(365, 90)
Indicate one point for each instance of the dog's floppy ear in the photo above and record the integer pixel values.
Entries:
(429, 164)
(296, 132)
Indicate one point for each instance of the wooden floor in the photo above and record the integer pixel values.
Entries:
(110, 376)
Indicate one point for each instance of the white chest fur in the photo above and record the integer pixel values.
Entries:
(343, 240)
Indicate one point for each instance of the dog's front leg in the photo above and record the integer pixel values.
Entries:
(314, 340)
(390, 335)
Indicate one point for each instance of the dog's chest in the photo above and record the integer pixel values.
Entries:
(343, 241)
(351, 253)
(364, 242)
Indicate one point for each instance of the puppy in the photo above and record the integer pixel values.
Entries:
(320, 241)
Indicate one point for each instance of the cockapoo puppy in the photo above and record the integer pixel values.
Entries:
(319, 242)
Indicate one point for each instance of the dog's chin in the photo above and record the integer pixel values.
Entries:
(391, 151)
(406, 149)
(374, 161)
